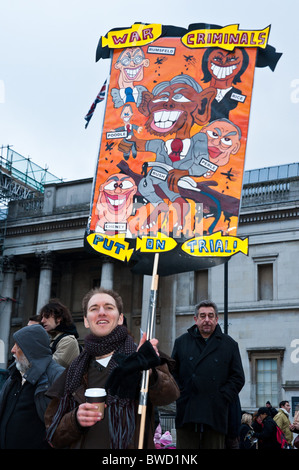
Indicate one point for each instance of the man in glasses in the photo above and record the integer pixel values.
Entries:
(210, 375)
(130, 64)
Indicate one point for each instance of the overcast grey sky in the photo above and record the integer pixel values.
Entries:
(49, 77)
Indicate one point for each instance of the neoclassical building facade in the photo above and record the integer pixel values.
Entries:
(44, 257)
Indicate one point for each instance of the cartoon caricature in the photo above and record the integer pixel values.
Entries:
(126, 116)
(172, 108)
(223, 140)
(130, 64)
(180, 177)
(115, 204)
(223, 69)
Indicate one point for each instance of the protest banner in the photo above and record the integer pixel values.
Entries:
(173, 142)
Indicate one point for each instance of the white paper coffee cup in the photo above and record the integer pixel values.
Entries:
(96, 396)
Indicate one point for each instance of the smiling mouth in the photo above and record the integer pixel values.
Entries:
(165, 120)
(115, 204)
(222, 72)
(132, 73)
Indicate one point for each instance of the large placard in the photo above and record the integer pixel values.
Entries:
(172, 148)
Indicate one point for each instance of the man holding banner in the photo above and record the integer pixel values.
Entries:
(168, 201)
(110, 360)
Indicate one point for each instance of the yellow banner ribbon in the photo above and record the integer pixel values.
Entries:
(115, 246)
(158, 244)
(138, 35)
(227, 38)
(215, 245)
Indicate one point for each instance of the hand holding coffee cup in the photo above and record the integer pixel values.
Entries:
(92, 411)
(97, 396)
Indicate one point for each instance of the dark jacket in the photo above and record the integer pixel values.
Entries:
(210, 375)
(162, 391)
(267, 437)
(22, 407)
(245, 442)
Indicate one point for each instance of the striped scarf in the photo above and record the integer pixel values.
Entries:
(120, 410)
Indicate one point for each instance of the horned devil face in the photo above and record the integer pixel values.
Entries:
(116, 197)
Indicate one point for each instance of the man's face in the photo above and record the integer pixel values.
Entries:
(171, 109)
(102, 315)
(126, 114)
(223, 140)
(22, 362)
(49, 322)
(287, 407)
(263, 416)
(131, 65)
(116, 197)
(206, 321)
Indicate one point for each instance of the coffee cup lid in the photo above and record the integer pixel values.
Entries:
(95, 392)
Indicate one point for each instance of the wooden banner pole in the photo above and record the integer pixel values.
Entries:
(149, 333)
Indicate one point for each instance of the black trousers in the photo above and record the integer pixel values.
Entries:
(198, 436)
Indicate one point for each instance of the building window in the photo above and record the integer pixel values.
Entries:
(266, 381)
(265, 371)
(265, 281)
(266, 277)
(201, 285)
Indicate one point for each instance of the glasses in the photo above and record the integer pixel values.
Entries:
(127, 60)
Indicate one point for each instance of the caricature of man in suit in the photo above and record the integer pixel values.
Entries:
(130, 64)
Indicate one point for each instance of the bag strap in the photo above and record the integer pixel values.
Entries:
(56, 341)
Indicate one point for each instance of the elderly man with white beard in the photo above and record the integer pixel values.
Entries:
(22, 400)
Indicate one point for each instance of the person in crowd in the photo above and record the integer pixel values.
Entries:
(57, 321)
(295, 429)
(295, 426)
(247, 441)
(282, 419)
(22, 401)
(34, 320)
(267, 437)
(209, 372)
(271, 410)
(110, 360)
(257, 426)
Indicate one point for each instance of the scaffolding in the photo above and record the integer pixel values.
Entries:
(20, 178)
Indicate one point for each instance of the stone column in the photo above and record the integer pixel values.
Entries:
(66, 283)
(9, 269)
(107, 274)
(167, 326)
(146, 297)
(45, 278)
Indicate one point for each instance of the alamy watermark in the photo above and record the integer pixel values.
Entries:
(2, 91)
(295, 353)
(295, 91)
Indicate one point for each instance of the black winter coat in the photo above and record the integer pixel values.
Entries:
(267, 436)
(210, 376)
